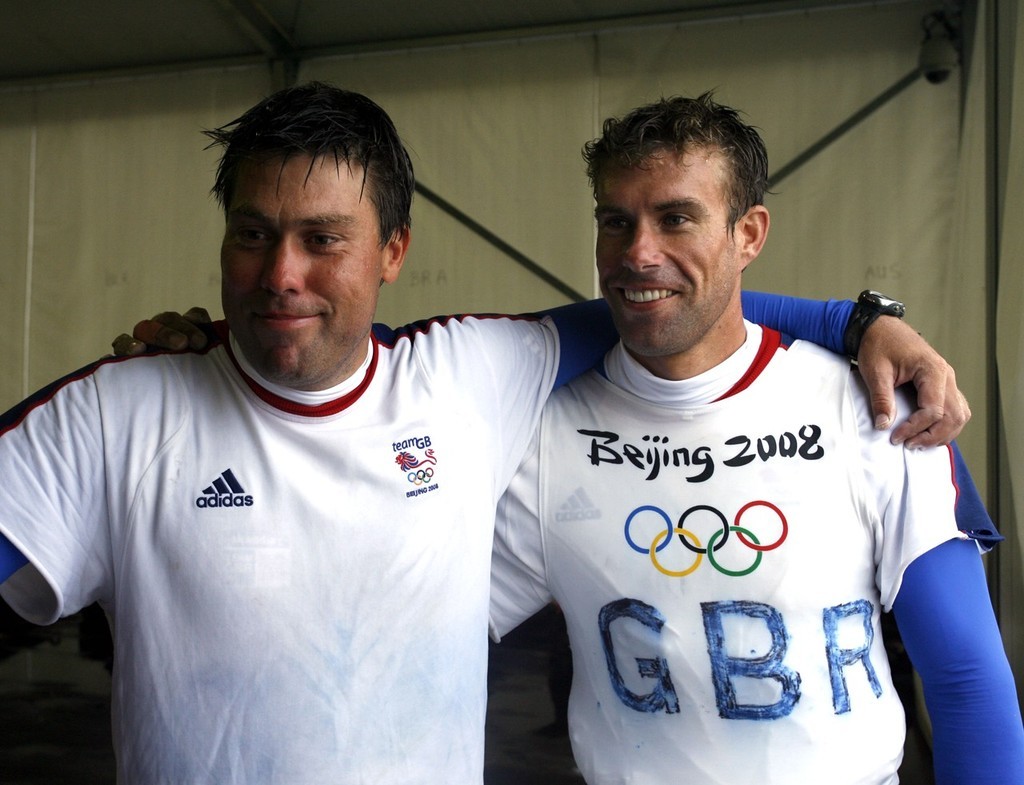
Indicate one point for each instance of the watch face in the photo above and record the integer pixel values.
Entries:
(884, 305)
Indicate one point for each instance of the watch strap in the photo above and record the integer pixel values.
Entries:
(869, 306)
(863, 316)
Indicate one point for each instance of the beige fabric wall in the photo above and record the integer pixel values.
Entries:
(496, 130)
(17, 200)
(105, 213)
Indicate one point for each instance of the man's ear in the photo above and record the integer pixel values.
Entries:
(751, 231)
(393, 255)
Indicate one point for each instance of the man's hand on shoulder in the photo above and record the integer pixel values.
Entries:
(167, 330)
(892, 354)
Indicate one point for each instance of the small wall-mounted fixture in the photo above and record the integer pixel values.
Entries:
(939, 53)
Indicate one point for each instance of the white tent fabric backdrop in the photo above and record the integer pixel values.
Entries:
(106, 215)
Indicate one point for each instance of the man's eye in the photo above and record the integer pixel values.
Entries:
(250, 236)
(613, 223)
(675, 220)
(322, 240)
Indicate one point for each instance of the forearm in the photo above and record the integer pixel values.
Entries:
(947, 624)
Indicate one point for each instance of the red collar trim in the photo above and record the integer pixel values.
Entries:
(291, 407)
(771, 341)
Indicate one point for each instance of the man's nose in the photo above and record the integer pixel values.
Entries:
(283, 267)
(642, 249)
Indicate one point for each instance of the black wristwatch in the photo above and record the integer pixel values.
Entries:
(870, 305)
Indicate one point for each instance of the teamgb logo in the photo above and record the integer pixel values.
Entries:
(419, 470)
(225, 491)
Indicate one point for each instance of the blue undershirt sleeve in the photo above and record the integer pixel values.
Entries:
(946, 620)
(820, 322)
(11, 559)
(585, 334)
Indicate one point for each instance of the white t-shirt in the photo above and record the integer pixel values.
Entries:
(297, 586)
(722, 548)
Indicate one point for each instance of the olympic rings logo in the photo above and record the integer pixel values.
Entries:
(420, 476)
(769, 518)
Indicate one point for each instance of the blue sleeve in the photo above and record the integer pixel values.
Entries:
(947, 624)
(11, 559)
(585, 334)
(820, 322)
(971, 516)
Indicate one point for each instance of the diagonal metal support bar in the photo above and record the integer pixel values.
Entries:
(854, 120)
(486, 234)
(260, 27)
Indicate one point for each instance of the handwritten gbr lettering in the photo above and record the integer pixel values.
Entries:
(732, 671)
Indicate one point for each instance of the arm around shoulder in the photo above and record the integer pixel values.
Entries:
(890, 354)
(817, 321)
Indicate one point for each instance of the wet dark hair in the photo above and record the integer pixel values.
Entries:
(320, 120)
(681, 124)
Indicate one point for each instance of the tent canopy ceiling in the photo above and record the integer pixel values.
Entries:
(54, 39)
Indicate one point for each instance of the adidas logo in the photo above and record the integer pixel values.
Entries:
(578, 507)
(225, 491)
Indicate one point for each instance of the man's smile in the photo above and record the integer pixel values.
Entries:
(646, 295)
